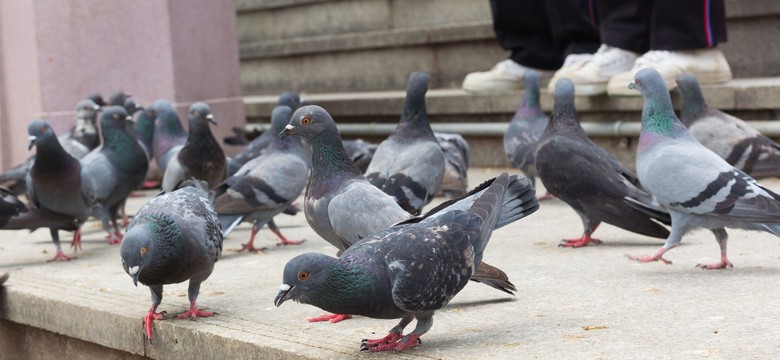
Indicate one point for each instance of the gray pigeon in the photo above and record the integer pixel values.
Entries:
(342, 206)
(456, 165)
(58, 182)
(409, 164)
(15, 215)
(118, 167)
(78, 142)
(698, 187)
(173, 238)
(360, 152)
(409, 270)
(144, 130)
(260, 143)
(584, 176)
(10, 206)
(201, 156)
(169, 136)
(729, 137)
(526, 128)
(266, 185)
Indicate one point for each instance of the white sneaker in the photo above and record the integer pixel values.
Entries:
(708, 65)
(507, 75)
(591, 73)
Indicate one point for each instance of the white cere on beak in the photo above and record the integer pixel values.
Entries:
(129, 118)
(284, 287)
(210, 116)
(31, 138)
(134, 270)
(289, 127)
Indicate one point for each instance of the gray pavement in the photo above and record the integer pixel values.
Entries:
(572, 303)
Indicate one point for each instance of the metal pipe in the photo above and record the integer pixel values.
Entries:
(617, 129)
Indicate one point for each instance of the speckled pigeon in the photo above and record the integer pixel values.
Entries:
(266, 185)
(525, 129)
(117, 167)
(173, 238)
(409, 270)
(584, 176)
(456, 164)
(342, 206)
(698, 187)
(169, 135)
(58, 182)
(409, 164)
(729, 137)
(201, 156)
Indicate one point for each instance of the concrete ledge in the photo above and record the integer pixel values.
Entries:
(591, 302)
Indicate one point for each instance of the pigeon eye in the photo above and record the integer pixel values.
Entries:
(305, 120)
(143, 250)
(303, 276)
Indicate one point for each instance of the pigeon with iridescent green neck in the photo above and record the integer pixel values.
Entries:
(173, 238)
(698, 187)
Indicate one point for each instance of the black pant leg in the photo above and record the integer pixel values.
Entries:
(573, 24)
(687, 24)
(625, 24)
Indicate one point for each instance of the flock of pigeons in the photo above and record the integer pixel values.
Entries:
(394, 261)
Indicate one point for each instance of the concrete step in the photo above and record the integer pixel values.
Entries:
(482, 118)
(364, 45)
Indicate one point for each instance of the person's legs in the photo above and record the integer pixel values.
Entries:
(682, 37)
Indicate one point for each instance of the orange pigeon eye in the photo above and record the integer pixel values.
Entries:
(143, 250)
(305, 120)
(303, 276)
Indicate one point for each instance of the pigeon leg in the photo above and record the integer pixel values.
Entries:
(151, 314)
(193, 313)
(395, 334)
(55, 237)
(585, 239)
(424, 323)
(546, 196)
(721, 237)
(250, 246)
(334, 318)
(285, 241)
(76, 243)
(672, 241)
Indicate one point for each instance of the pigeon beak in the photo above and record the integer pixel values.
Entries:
(289, 129)
(135, 279)
(211, 119)
(632, 85)
(283, 295)
(31, 142)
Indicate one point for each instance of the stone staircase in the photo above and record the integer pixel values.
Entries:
(353, 57)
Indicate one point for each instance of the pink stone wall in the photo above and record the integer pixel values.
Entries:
(54, 53)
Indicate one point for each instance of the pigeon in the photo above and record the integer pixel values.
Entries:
(118, 98)
(360, 152)
(10, 206)
(174, 237)
(526, 128)
(409, 164)
(58, 182)
(729, 137)
(132, 107)
(266, 185)
(341, 205)
(698, 187)
(84, 131)
(118, 167)
(169, 136)
(260, 143)
(584, 176)
(201, 156)
(456, 155)
(97, 99)
(144, 130)
(410, 269)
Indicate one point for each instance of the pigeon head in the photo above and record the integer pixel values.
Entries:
(692, 99)
(38, 130)
(131, 107)
(648, 82)
(200, 115)
(311, 123)
(306, 277)
(144, 125)
(415, 94)
(87, 109)
(114, 117)
(280, 117)
(167, 118)
(564, 112)
(118, 98)
(531, 81)
(291, 99)
(97, 99)
(136, 251)
(657, 112)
